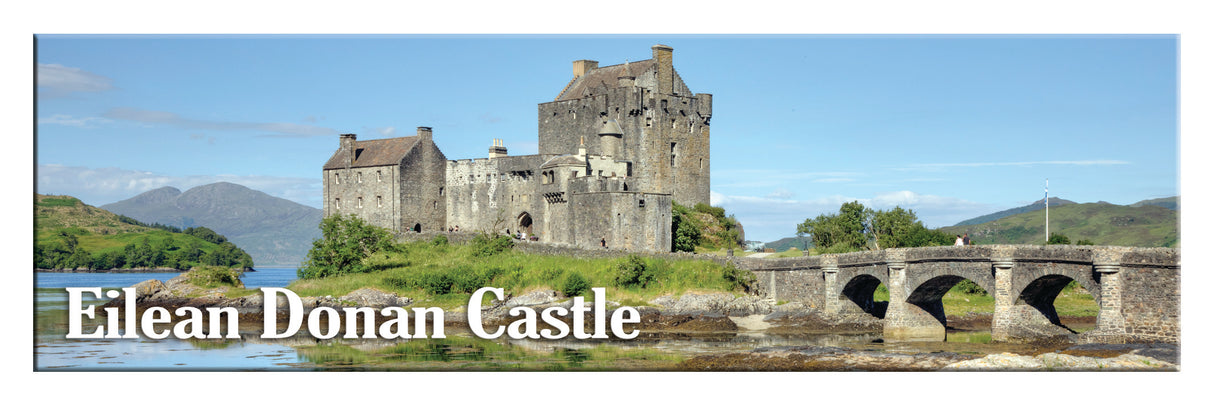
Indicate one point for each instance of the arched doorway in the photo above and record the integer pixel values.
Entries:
(524, 223)
(417, 228)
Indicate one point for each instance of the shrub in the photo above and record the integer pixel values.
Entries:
(575, 285)
(440, 240)
(738, 278)
(1058, 239)
(345, 241)
(485, 245)
(214, 276)
(633, 271)
(969, 287)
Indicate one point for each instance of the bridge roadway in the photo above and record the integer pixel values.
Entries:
(1137, 289)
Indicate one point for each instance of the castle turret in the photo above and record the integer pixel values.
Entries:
(609, 137)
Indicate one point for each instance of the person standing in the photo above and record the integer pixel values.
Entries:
(959, 241)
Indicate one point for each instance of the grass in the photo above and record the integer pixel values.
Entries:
(407, 271)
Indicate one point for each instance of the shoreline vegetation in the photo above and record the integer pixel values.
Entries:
(71, 236)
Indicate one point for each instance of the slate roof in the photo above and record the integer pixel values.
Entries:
(375, 152)
(606, 76)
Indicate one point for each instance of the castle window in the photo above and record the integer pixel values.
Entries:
(673, 153)
(360, 202)
(337, 203)
(359, 177)
(379, 201)
(440, 191)
(379, 176)
(337, 177)
(641, 203)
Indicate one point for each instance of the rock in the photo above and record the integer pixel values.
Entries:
(149, 289)
(1059, 361)
(370, 297)
(535, 298)
(713, 304)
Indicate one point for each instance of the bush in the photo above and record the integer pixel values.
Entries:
(633, 271)
(738, 278)
(1058, 239)
(214, 276)
(345, 241)
(440, 240)
(575, 285)
(969, 287)
(485, 245)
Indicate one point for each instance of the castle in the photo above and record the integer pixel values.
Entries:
(616, 147)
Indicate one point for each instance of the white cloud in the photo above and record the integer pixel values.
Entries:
(275, 129)
(58, 80)
(938, 166)
(68, 120)
(780, 194)
(99, 186)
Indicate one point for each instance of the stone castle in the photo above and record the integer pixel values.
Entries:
(616, 147)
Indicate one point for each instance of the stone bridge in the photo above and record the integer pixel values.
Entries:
(1137, 289)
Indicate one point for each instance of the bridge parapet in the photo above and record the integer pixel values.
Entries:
(1137, 289)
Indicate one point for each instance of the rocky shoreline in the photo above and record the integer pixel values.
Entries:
(713, 313)
(134, 270)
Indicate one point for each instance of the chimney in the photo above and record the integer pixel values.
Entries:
(498, 149)
(425, 134)
(580, 67)
(663, 56)
(347, 148)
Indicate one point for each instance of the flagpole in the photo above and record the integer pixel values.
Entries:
(1047, 210)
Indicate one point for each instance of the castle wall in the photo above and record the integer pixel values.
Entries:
(484, 194)
(377, 187)
(626, 220)
(422, 182)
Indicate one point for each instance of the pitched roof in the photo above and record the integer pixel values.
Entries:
(606, 76)
(375, 152)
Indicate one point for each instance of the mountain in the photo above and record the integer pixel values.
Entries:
(1037, 205)
(275, 231)
(1172, 203)
(69, 234)
(1145, 225)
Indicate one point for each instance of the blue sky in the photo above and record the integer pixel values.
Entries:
(950, 126)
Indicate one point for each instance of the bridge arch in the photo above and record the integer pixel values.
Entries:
(855, 287)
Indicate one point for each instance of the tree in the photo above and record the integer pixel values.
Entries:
(856, 227)
(1058, 239)
(345, 241)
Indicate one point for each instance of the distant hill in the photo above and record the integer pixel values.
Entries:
(1143, 225)
(70, 234)
(786, 243)
(275, 231)
(1037, 205)
(1171, 203)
